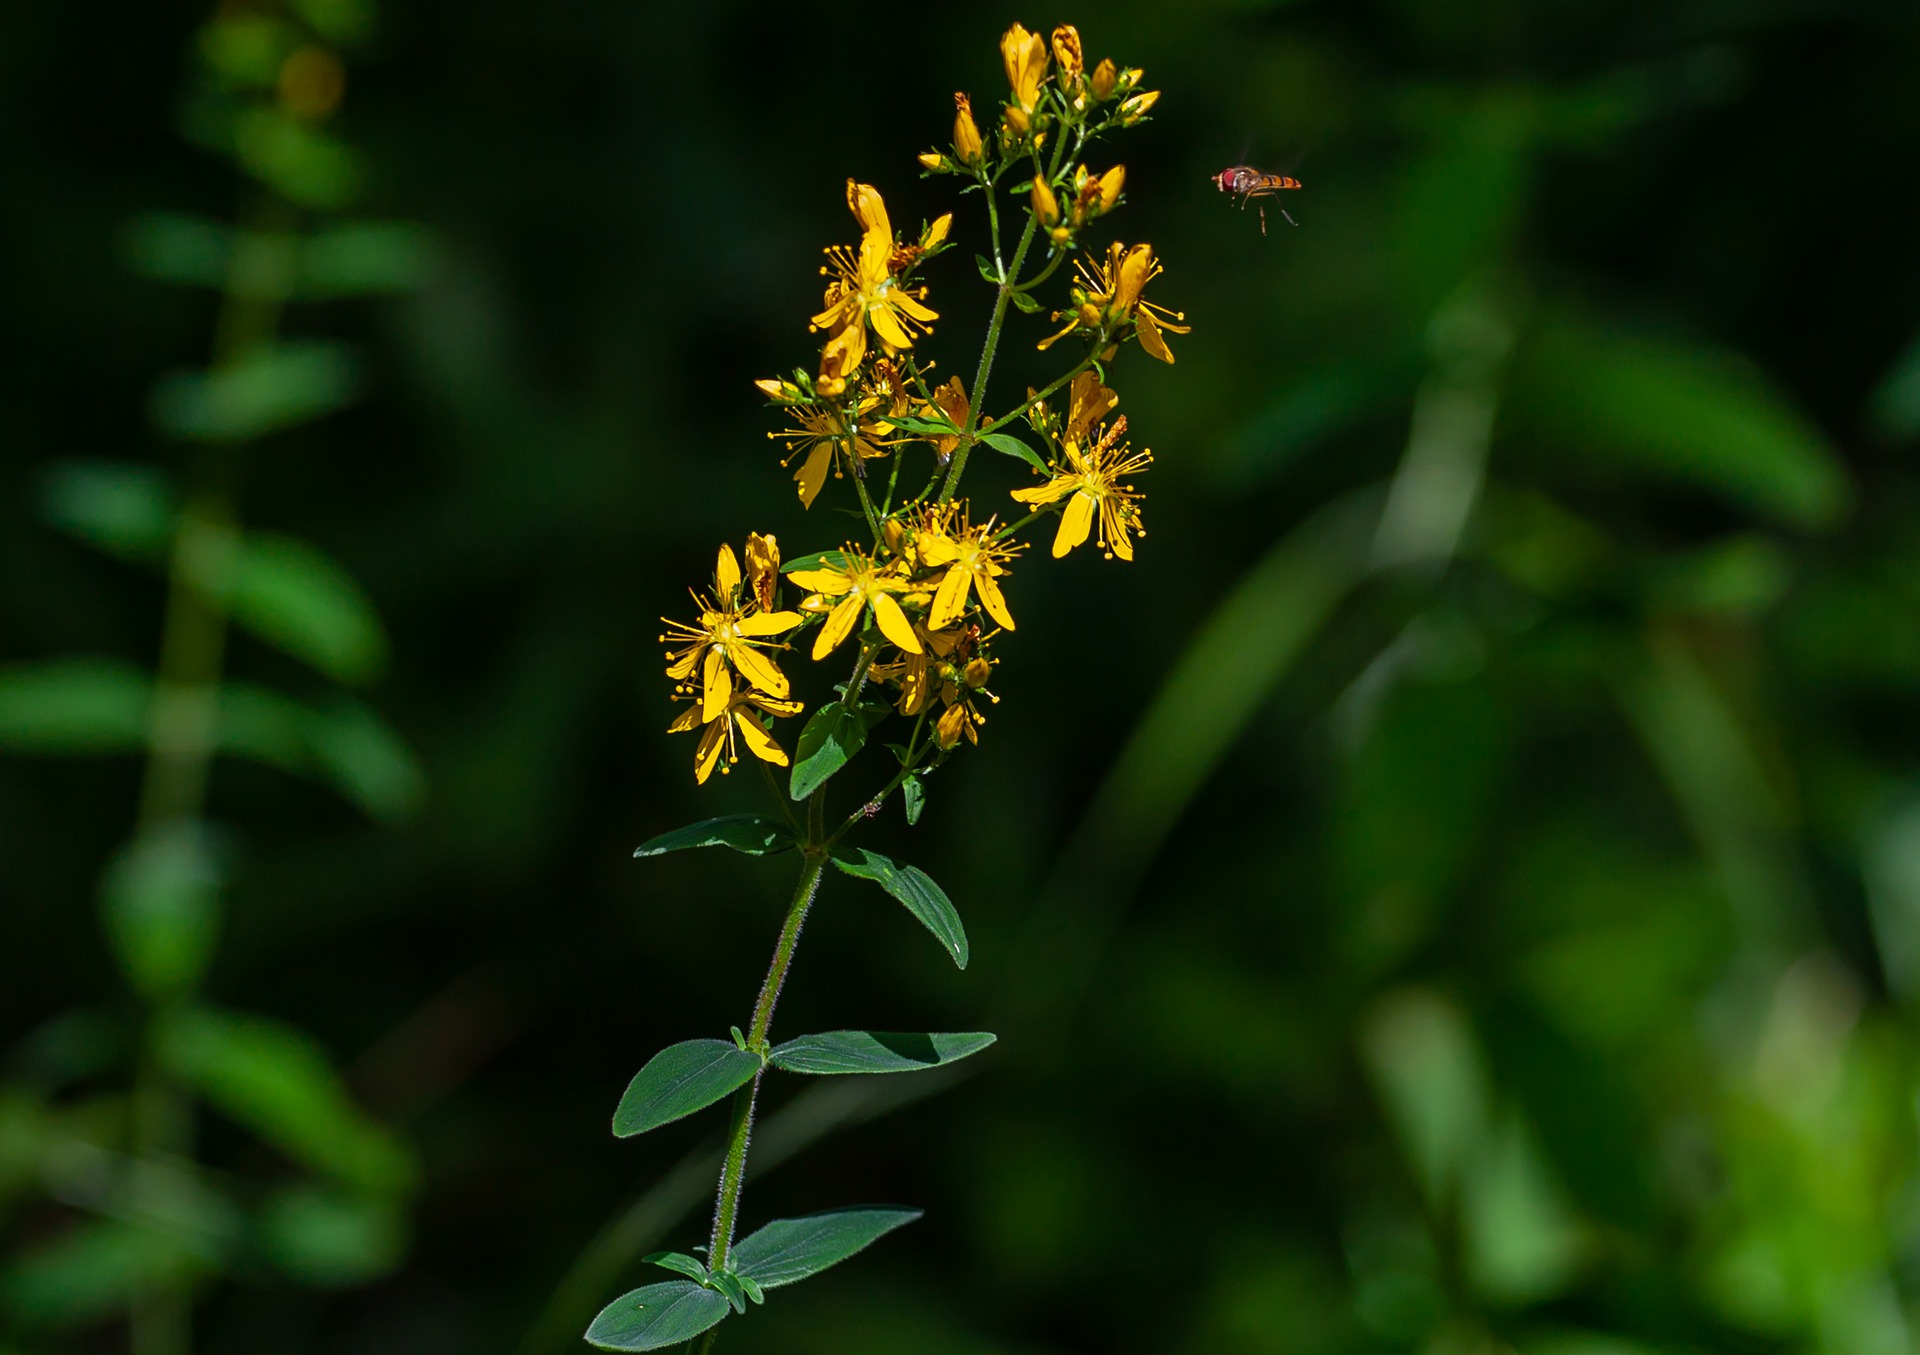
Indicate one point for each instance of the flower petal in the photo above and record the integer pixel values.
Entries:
(832, 582)
(838, 623)
(992, 599)
(718, 684)
(685, 720)
(726, 573)
(759, 742)
(894, 624)
(813, 472)
(951, 599)
(1150, 340)
(768, 623)
(758, 669)
(1075, 523)
(708, 753)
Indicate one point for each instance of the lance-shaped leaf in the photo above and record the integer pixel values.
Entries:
(679, 1080)
(832, 559)
(747, 833)
(657, 1315)
(789, 1250)
(832, 736)
(875, 1051)
(912, 886)
(1008, 445)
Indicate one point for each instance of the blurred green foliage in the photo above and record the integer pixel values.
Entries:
(1459, 890)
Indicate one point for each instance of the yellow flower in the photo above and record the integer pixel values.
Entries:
(727, 639)
(950, 400)
(951, 666)
(735, 723)
(865, 291)
(1091, 483)
(828, 429)
(1107, 299)
(966, 134)
(858, 582)
(1025, 55)
(972, 560)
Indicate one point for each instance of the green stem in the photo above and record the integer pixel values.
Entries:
(908, 767)
(1043, 393)
(978, 394)
(733, 1168)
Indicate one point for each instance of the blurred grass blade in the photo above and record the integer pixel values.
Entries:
(275, 387)
(124, 509)
(297, 598)
(275, 1080)
(73, 706)
(331, 1239)
(1686, 412)
(1894, 408)
(1427, 1069)
(1522, 1242)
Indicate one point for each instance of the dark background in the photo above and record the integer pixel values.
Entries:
(1399, 938)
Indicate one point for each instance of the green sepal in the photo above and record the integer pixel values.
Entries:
(1008, 445)
(875, 1051)
(657, 1315)
(787, 1251)
(913, 887)
(747, 833)
(679, 1080)
(831, 737)
(678, 1261)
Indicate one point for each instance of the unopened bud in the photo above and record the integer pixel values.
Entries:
(894, 535)
(933, 162)
(979, 670)
(1104, 78)
(966, 133)
(1136, 107)
(1045, 205)
(1110, 185)
(952, 723)
(1066, 51)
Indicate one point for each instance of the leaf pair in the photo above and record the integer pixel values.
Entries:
(784, 1252)
(694, 1074)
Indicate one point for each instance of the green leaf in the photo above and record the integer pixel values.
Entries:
(832, 559)
(274, 388)
(276, 1081)
(73, 706)
(123, 509)
(790, 1250)
(296, 598)
(657, 1315)
(1024, 303)
(679, 1080)
(911, 885)
(831, 737)
(729, 1285)
(1009, 445)
(160, 900)
(332, 1240)
(355, 258)
(690, 1266)
(931, 427)
(987, 270)
(874, 1051)
(747, 833)
(913, 793)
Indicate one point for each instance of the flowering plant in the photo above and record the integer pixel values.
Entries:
(920, 602)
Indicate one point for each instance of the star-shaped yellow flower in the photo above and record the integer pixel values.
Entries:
(973, 563)
(736, 722)
(1108, 297)
(858, 582)
(732, 630)
(1091, 483)
(865, 291)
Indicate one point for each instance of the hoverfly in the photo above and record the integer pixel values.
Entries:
(1247, 182)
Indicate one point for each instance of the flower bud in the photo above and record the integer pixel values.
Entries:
(763, 568)
(1017, 123)
(1045, 205)
(1135, 108)
(966, 133)
(933, 162)
(978, 671)
(1104, 78)
(894, 535)
(1025, 55)
(951, 725)
(1110, 184)
(1066, 52)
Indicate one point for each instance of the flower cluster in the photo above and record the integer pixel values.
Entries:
(921, 599)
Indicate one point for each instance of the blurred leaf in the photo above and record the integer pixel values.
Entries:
(87, 1272)
(657, 1315)
(1894, 408)
(1742, 576)
(273, 388)
(341, 21)
(790, 1250)
(331, 1240)
(833, 734)
(355, 258)
(1522, 1243)
(161, 897)
(1426, 1067)
(124, 509)
(73, 706)
(301, 163)
(679, 1080)
(909, 884)
(747, 833)
(294, 596)
(1686, 412)
(178, 248)
(1009, 445)
(1892, 871)
(869, 1051)
(276, 1081)
(366, 761)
